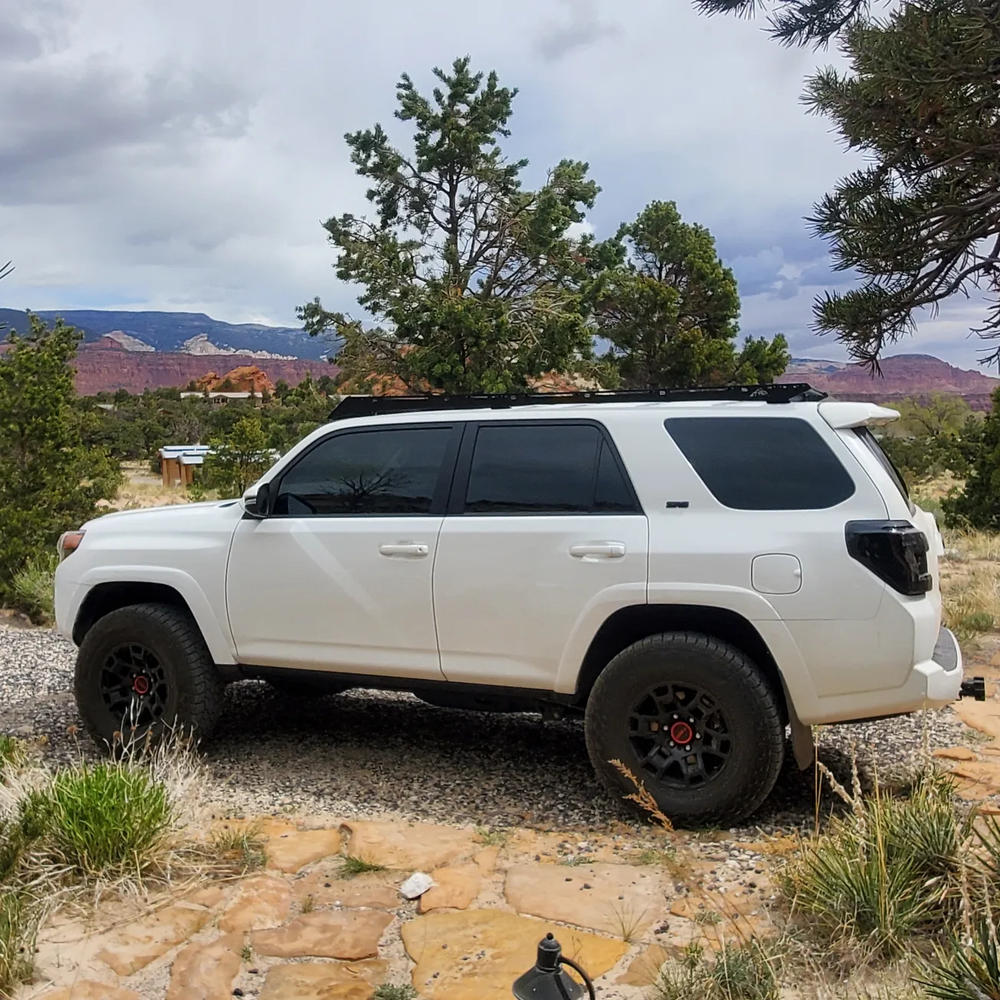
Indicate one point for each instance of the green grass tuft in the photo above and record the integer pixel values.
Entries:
(12, 754)
(492, 837)
(20, 914)
(389, 991)
(240, 848)
(351, 866)
(744, 972)
(108, 819)
(31, 588)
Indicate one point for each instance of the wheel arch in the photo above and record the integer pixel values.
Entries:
(631, 624)
(106, 596)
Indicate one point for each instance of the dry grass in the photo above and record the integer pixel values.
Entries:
(643, 798)
(972, 601)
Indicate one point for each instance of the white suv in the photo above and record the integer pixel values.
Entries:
(692, 571)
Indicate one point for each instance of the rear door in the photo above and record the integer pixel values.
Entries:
(543, 540)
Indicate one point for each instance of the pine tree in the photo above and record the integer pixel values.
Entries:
(475, 282)
(920, 222)
(978, 505)
(669, 307)
(50, 481)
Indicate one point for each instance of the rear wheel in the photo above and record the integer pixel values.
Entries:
(145, 669)
(694, 720)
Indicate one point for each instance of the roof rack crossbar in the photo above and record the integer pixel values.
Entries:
(369, 406)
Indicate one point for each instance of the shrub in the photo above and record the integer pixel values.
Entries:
(50, 481)
(32, 588)
(967, 973)
(889, 868)
(978, 505)
(20, 915)
(351, 866)
(744, 972)
(108, 819)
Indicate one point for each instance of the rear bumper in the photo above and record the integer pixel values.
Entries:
(932, 683)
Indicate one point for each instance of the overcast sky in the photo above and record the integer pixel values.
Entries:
(182, 155)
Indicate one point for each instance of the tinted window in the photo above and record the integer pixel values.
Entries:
(392, 471)
(545, 469)
(762, 463)
(872, 444)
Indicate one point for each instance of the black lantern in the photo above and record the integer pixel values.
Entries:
(547, 980)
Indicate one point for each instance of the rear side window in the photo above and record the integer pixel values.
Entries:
(762, 463)
(546, 469)
(872, 444)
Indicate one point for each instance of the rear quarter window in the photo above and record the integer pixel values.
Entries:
(762, 463)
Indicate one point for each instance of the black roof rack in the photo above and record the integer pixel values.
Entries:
(370, 406)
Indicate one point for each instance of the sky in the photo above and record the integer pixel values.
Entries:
(183, 156)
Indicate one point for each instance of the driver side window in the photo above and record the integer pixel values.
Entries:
(366, 472)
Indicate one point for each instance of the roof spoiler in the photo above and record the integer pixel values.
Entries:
(844, 415)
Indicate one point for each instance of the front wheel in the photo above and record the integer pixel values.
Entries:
(144, 670)
(694, 720)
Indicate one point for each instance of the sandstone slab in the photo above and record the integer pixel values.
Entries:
(476, 955)
(347, 934)
(954, 753)
(88, 989)
(206, 971)
(977, 778)
(615, 899)
(645, 967)
(290, 852)
(135, 945)
(323, 981)
(718, 918)
(455, 887)
(421, 846)
(981, 715)
(373, 891)
(262, 901)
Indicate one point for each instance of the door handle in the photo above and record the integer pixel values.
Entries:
(414, 550)
(604, 550)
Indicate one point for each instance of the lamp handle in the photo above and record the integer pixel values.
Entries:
(586, 979)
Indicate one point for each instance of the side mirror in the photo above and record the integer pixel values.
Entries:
(262, 504)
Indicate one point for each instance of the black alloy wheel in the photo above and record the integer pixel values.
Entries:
(679, 735)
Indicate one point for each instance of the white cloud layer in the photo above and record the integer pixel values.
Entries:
(183, 155)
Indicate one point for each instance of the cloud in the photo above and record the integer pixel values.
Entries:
(582, 29)
(183, 155)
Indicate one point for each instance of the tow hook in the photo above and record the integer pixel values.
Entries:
(974, 687)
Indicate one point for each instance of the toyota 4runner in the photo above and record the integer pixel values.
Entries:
(696, 572)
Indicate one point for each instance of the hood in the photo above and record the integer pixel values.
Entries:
(176, 514)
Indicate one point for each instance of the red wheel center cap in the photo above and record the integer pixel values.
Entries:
(140, 685)
(681, 732)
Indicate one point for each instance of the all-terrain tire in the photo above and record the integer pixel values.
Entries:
(175, 686)
(733, 737)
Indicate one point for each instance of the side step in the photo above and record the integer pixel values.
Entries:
(974, 687)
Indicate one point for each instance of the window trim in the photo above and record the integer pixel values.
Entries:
(439, 497)
(760, 510)
(463, 469)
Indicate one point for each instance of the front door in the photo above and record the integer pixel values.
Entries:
(339, 577)
(544, 541)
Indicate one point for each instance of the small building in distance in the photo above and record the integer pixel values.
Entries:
(178, 462)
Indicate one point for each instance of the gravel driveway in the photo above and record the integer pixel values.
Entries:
(368, 753)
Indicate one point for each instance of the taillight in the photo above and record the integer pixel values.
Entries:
(69, 541)
(894, 551)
